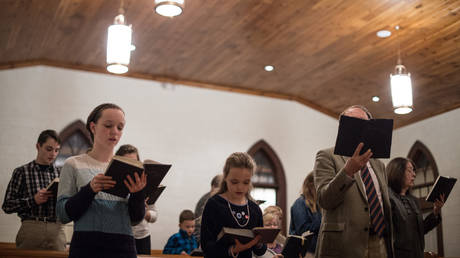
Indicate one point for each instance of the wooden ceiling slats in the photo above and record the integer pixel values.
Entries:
(325, 52)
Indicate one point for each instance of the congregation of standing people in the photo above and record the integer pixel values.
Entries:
(350, 207)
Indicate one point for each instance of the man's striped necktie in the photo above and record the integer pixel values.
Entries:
(375, 209)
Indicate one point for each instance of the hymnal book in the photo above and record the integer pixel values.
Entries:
(197, 252)
(228, 235)
(376, 135)
(153, 195)
(119, 167)
(155, 174)
(443, 185)
(53, 186)
(296, 246)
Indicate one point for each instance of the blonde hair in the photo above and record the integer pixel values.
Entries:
(309, 192)
(237, 160)
(268, 217)
(273, 209)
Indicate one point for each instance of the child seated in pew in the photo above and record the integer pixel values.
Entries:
(183, 242)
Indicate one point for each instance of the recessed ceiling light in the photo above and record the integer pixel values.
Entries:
(383, 33)
(269, 68)
(375, 99)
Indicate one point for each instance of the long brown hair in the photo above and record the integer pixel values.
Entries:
(309, 192)
(237, 160)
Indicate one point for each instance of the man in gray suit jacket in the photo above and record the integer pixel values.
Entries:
(346, 229)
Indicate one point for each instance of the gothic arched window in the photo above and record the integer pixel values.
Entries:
(75, 140)
(426, 174)
(269, 180)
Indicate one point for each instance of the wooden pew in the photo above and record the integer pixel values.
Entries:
(8, 250)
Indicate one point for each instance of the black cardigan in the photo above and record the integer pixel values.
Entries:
(216, 215)
(404, 237)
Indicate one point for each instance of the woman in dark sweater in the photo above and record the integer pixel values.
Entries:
(408, 223)
(232, 207)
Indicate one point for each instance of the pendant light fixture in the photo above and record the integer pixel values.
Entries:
(401, 86)
(119, 44)
(169, 8)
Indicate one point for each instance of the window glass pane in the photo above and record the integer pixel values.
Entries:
(419, 178)
(427, 190)
(76, 144)
(266, 194)
(416, 193)
(264, 173)
(429, 175)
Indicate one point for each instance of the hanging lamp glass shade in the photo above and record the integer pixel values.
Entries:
(119, 46)
(401, 90)
(169, 8)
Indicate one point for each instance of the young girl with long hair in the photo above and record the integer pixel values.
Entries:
(305, 214)
(232, 207)
(102, 222)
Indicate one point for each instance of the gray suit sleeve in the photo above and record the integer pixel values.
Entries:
(330, 184)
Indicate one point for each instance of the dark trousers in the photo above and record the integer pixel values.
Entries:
(143, 245)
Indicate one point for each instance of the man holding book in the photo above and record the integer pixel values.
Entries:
(27, 196)
(353, 193)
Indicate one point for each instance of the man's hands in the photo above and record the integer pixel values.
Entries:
(42, 196)
(356, 162)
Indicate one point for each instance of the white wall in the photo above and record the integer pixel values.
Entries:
(194, 129)
(441, 134)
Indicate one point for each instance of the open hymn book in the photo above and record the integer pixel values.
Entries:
(443, 185)
(228, 235)
(119, 167)
(53, 186)
(296, 246)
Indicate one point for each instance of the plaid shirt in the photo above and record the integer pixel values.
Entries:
(26, 181)
(179, 242)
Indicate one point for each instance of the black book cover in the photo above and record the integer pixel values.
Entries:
(118, 169)
(155, 174)
(443, 185)
(227, 235)
(153, 195)
(197, 252)
(376, 134)
(296, 246)
(268, 234)
(53, 186)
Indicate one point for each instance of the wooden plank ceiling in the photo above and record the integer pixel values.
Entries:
(325, 52)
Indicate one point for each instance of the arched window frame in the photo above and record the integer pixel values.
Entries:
(278, 172)
(420, 149)
(76, 127)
